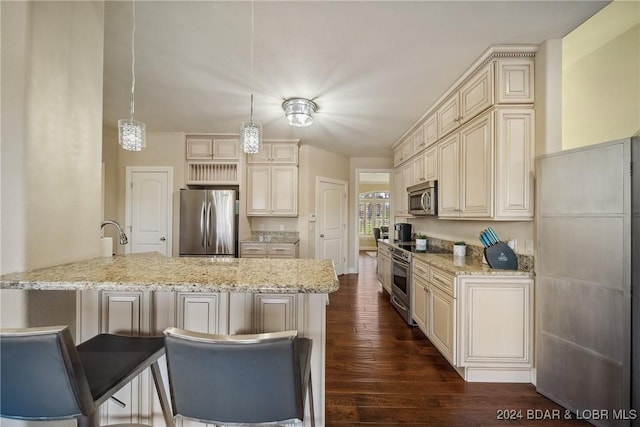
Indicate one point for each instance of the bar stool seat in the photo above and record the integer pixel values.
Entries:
(45, 377)
(239, 379)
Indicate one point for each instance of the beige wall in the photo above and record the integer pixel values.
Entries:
(600, 84)
(52, 57)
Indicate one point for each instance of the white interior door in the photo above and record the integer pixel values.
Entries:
(149, 210)
(331, 207)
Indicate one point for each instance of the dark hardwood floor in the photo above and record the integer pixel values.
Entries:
(381, 372)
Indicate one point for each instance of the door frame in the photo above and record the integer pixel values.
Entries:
(355, 201)
(345, 234)
(130, 170)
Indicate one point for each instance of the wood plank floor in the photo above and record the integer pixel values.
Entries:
(381, 372)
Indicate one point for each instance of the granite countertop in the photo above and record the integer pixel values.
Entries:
(462, 266)
(155, 272)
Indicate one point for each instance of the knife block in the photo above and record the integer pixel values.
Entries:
(501, 256)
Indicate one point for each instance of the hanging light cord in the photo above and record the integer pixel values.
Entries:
(133, 61)
(251, 61)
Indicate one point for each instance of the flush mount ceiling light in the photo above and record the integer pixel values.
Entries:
(251, 133)
(299, 111)
(132, 134)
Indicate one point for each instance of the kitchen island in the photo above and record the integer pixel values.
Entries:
(142, 294)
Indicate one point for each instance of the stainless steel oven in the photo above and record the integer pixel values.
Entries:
(401, 283)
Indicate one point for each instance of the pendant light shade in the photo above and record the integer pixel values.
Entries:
(132, 134)
(299, 111)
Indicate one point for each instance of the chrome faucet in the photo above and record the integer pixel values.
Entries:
(123, 237)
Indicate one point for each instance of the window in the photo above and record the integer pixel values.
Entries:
(374, 210)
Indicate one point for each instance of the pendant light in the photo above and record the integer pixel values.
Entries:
(132, 134)
(250, 132)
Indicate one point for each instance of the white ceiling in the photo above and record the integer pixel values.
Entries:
(373, 67)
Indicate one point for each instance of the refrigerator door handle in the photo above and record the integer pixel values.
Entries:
(202, 224)
(208, 222)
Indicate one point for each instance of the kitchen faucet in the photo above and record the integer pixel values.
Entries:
(123, 237)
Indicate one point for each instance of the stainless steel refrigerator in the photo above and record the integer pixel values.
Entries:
(208, 222)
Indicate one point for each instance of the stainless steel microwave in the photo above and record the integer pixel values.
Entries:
(423, 198)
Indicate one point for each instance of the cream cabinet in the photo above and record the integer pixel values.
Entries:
(268, 250)
(449, 115)
(274, 312)
(384, 266)
(482, 324)
(496, 322)
(514, 81)
(403, 152)
(202, 312)
(418, 170)
(431, 163)
(430, 129)
(421, 298)
(418, 140)
(485, 168)
(200, 148)
(275, 152)
(272, 190)
(398, 196)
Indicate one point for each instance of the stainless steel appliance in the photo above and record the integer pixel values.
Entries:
(209, 222)
(401, 283)
(423, 198)
(402, 232)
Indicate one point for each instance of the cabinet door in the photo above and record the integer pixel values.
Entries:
(398, 196)
(514, 81)
(126, 313)
(199, 149)
(477, 94)
(226, 149)
(284, 153)
(407, 180)
(418, 140)
(476, 191)
(262, 156)
(431, 164)
(430, 130)
(496, 321)
(258, 190)
(442, 332)
(274, 312)
(449, 177)
(284, 190)
(202, 312)
(514, 168)
(420, 294)
(448, 115)
(418, 170)
(397, 155)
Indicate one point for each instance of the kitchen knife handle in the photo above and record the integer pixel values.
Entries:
(493, 235)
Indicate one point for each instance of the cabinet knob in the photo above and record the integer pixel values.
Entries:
(162, 239)
(322, 235)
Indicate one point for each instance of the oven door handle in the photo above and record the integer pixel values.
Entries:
(397, 302)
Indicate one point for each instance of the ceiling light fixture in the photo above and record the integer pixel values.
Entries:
(299, 111)
(132, 134)
(251, 133)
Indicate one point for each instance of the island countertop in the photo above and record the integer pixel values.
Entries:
(155, 272)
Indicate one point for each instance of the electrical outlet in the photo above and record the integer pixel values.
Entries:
(528, 247)
(513, 243)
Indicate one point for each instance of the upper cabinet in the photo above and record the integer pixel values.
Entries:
(212, 149)
(272, 180)
(212, 159)
(478, 141)
(276, 152)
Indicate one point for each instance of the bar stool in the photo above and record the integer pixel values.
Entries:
(44, 376)
(239, 379)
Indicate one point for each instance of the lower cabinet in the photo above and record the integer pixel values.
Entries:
(149, 313)
(268, 250)
(383, 261)
(482, 324)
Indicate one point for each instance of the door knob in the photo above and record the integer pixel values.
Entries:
(162, 239)
(322, 235)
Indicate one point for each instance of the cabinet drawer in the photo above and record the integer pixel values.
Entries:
(253, 250)
(281, 251)
(421, 269)
(442, 280)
